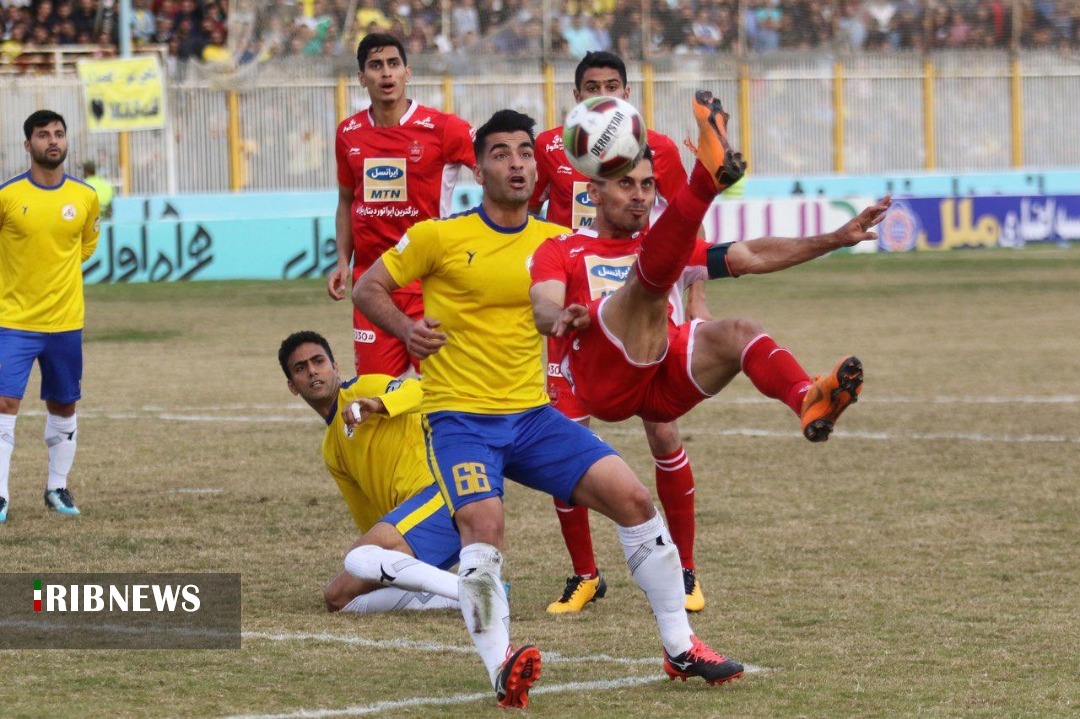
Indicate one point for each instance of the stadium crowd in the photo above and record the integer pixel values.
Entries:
(282, 28)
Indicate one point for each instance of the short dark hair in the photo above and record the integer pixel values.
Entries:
(41, 118)
(89, 167)
(600, 58)
(290, 343)
(375, 41)
(503, 121)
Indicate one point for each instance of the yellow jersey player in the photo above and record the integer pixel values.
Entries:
(377, 460)
(487, 416)
(49, 225)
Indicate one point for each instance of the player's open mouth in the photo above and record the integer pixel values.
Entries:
(387, 86)
(517, 181)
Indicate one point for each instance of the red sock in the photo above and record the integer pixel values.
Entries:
(667, 245)
(675, 487)
(775, 371)
(574, 521)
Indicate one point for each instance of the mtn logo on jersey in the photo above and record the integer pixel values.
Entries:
(384, 179)
(582, 210)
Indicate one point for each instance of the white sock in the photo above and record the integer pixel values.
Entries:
(391, 568)
(484, 604)
(391, 598)
(654, 564)
(7, 446)
(60, 439)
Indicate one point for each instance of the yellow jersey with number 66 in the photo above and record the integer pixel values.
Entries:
(46, 233)
(475, 279)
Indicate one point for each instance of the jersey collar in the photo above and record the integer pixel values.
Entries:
(413, 104)
(499, 228)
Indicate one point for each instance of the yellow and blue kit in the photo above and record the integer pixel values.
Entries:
(486, 411)
(381, 470)
(46, 233)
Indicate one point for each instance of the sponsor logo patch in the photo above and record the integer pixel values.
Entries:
(69, 212)
(582, 210)
(385, 180)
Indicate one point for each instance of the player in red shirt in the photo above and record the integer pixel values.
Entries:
(565, 190)
(397, 164)
(625, 356)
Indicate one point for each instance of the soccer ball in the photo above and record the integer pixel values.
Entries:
(604, 137)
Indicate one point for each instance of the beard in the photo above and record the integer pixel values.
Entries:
(42, 159)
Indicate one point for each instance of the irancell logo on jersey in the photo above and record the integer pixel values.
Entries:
(555, 144)
(426, 122)
(352, 125)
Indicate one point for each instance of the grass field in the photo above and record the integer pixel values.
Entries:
(923, 562)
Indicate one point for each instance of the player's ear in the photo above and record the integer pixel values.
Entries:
(408, 73)
(593, 188)
(292, 388)
(478, 173)
(577, 95)
(363, 81)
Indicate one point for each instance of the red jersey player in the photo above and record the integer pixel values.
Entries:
(397, 164)
(625, 356)
(565, 189)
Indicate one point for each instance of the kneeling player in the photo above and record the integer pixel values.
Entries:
(377, 460)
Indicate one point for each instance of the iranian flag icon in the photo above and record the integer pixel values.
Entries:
(37, 595)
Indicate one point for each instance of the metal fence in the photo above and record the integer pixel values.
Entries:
(791, 114)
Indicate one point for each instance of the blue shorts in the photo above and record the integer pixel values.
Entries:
(59, 354)
(469, 454)
(425, 522)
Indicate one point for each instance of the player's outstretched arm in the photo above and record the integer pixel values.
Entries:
(337, 281)
(547, 303)
(771, 254)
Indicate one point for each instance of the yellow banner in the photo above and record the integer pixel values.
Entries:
(123, 94)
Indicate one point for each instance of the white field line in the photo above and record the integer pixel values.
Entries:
(435, 647)
(314, 421)
(377, 707)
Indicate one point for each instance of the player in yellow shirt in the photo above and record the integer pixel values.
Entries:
(486, 411)
(49, 225)
(377, 460)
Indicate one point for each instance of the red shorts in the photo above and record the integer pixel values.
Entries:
(562, 394)
(379, 352)
(611, 387)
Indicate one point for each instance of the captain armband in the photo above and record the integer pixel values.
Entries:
(716, 261)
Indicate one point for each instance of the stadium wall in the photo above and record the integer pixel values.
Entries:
(175, 240)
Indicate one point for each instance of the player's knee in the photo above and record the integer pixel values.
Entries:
(663, 438)
(745, 329)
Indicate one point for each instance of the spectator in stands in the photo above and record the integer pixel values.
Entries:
(163, 30)
(84, 15)
(142, 21)
(369, 14)
(216, 51)
(465, 18)
(851, 26)
(705, 35)
(579, 36)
